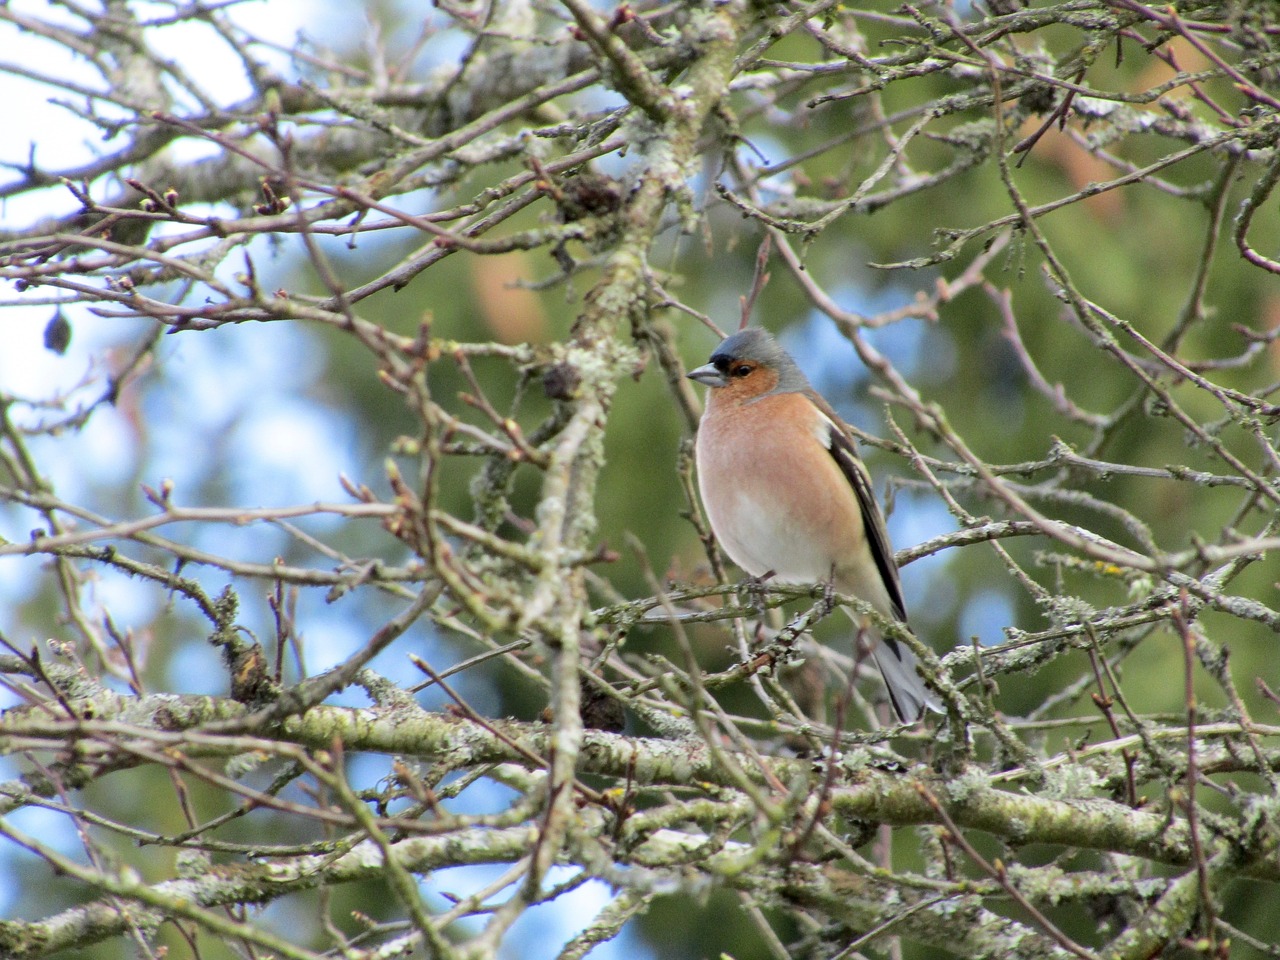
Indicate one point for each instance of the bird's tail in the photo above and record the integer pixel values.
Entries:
(907, 691)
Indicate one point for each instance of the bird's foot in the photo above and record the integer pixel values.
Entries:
(829, 593)
(756, 589)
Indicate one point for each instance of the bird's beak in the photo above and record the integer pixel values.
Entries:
(708, 374)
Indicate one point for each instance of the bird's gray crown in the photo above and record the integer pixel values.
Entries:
(760, 347)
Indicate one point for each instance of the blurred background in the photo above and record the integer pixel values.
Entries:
(262, 415)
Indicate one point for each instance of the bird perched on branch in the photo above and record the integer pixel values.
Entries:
(788, 495)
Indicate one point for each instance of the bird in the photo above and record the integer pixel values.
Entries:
(788, 496)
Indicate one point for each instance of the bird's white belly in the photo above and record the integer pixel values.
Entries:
(760, 537)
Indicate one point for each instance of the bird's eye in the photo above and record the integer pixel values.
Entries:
(742, 369)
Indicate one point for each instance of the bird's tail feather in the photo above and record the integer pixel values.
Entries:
(907, 691)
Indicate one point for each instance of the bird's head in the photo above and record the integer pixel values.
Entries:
(750, 364)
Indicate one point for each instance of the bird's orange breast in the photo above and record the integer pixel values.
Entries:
(774, 495)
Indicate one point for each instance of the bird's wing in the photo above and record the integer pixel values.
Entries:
(840, 444)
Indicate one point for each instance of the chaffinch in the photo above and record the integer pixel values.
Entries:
(787, 493)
